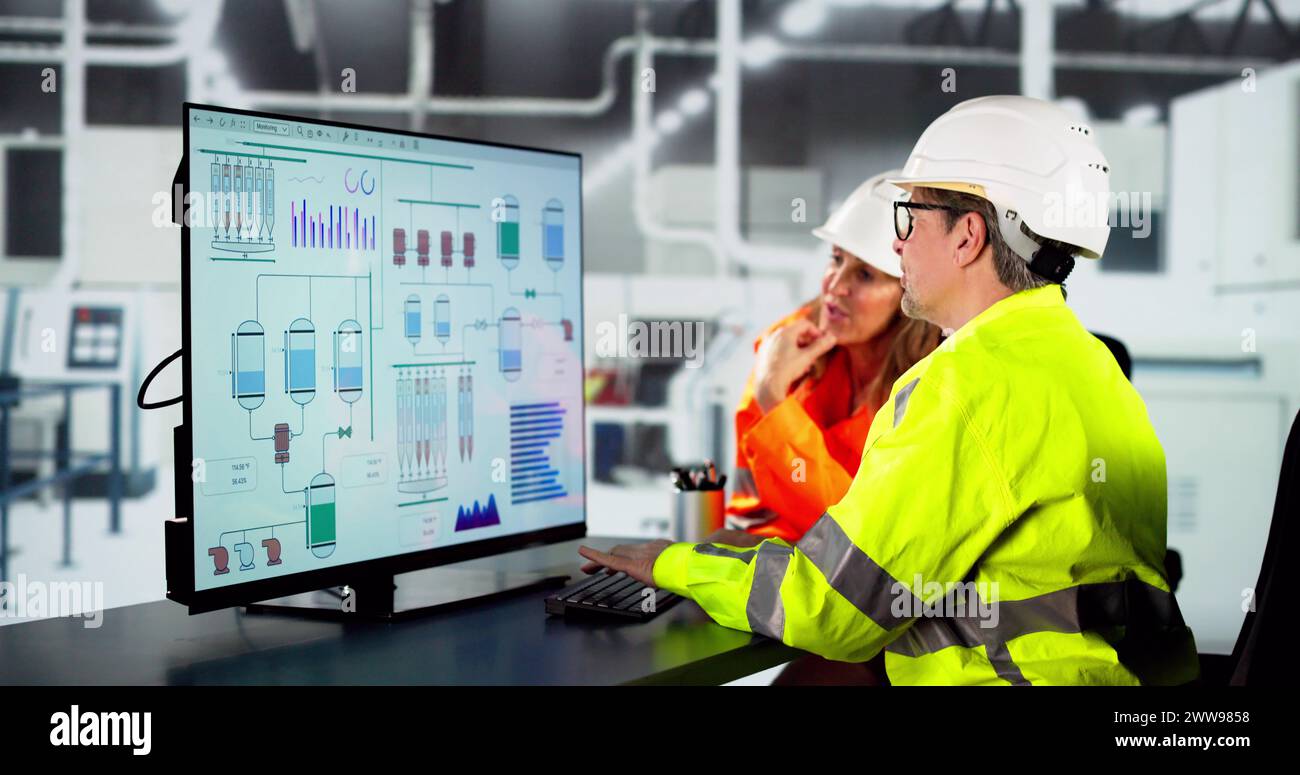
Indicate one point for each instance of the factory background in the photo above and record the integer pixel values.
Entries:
(714, 136)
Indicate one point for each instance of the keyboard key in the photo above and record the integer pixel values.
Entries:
(606, 592)
(633, 602)
(586, 592)
(631, 593)
(570, 591)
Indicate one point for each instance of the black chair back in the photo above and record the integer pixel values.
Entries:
(1261, 656)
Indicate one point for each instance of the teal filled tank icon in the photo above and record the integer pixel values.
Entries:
(321, 526)
(506, 215)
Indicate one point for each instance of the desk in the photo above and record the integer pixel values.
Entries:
(508, 640)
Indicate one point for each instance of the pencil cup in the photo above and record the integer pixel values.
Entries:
(697, 513)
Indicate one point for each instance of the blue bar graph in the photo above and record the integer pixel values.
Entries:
(533, 429)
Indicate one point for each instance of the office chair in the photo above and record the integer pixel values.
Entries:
(1120, 352)
(1260, 657)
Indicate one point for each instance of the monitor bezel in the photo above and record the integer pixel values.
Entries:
(248, 592)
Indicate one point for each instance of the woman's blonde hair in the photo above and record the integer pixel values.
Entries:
(908, 341)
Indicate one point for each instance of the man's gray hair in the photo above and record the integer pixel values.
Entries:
(1013, 271)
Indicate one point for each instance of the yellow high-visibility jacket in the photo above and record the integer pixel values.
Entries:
(1007, 525)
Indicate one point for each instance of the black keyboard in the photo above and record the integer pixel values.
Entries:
(616, 594)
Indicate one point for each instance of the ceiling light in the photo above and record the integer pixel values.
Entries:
(802, 18)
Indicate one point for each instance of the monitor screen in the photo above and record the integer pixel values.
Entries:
(384, 344)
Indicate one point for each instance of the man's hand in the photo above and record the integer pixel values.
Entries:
(636, 560)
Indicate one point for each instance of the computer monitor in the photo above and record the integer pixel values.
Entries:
(383, 354)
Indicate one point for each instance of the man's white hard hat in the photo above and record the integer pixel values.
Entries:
(1039, 165)
(864, 224)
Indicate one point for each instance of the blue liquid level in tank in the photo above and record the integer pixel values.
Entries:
(250, 381)
(349, 377)
(554, 241)
(302, 369)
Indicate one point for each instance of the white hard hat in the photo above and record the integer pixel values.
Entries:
(864, 224)
(1038, 164)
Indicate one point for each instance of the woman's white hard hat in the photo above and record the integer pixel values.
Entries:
(864, 224)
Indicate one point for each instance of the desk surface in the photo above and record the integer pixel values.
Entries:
(508, 640)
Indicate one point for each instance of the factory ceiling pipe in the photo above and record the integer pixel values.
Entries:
(420, 71)
(192, 35)
(809, 52)
(486, 106)
(54, 26)
(868, 52)
(642, 147)
(726, 134)
(72, 88)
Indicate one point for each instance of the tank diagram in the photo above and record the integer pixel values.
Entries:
(391, 367)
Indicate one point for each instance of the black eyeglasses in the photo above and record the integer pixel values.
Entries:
(903, 219)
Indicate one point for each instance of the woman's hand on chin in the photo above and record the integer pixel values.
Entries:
(785, 356)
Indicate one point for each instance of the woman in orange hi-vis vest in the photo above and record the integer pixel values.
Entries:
(822, 372)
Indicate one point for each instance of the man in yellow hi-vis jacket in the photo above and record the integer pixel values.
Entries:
(1007, 523)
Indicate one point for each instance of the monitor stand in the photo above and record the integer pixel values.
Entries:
(420, 593)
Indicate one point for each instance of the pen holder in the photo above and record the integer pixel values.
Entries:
(697, 513)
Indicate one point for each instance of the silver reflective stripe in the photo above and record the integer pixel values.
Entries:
(721, 551)
(1140, 608)
(1131, 603)
(854, 575)
(1004, 665)
(934, 631)
(901, 398)
(765, 612)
